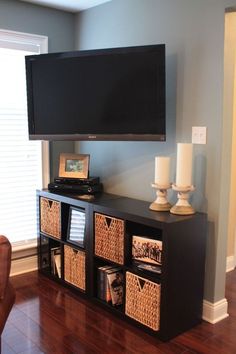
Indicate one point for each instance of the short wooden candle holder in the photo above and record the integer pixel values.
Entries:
(161, 203)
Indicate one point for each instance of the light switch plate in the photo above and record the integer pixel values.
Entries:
(199, 135)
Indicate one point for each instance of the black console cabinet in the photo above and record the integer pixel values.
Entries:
(177, 290)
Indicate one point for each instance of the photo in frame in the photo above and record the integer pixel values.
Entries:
(74, 165)
(146, 250)
(76, 227)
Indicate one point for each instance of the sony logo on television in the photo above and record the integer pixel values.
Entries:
(92, 136)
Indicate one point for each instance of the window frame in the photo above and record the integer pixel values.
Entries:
(27, 41)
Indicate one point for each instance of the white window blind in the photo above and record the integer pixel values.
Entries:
(20, 159)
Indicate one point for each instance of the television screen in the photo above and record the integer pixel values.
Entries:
(106, 94)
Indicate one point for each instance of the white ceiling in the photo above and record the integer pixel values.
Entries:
(68, 5)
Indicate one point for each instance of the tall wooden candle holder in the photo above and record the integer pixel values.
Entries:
(182, 207)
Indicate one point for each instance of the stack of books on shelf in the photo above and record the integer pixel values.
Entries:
(110, 284)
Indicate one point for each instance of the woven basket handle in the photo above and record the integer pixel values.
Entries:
(141, 284)
(108, 222)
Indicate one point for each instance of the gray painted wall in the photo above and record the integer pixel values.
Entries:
(58, 26)
(193, 32)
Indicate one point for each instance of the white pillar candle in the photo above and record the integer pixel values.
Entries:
(184, 165)
(162, 170)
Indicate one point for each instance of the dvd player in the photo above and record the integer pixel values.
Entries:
(75, 188)
(87, 181)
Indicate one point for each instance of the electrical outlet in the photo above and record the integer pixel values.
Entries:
(199, 135)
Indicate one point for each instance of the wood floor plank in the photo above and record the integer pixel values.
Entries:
(48, 318)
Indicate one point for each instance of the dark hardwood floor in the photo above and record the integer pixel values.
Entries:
(48, 318)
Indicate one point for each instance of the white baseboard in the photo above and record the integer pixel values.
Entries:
(24, 265)
(215, 312)
(230, 263)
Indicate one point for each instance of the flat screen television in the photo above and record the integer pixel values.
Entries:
(105, 94)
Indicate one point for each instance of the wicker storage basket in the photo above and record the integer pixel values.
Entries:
(50, 211)
(143, 300)
(74, 267)
(109, 238)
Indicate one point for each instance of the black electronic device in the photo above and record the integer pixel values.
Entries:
(102, 94)
(75, 188)
(91, 181)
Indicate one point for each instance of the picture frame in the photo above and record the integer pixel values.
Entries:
(74, 165)
(146, 250)
(76, 226)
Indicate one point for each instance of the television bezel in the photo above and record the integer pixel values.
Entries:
(91, 137)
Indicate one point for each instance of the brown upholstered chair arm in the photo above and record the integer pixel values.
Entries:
(6, 306)
(5, 264)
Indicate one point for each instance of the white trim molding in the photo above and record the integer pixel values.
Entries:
(28, 40)
(230, 263)
(231, 260)
(24, 265)
(215, 312)
(46, 164)
(24, 257)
